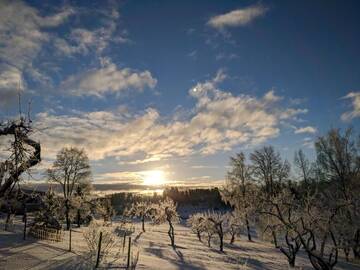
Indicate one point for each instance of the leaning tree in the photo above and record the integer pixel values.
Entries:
(24, 153)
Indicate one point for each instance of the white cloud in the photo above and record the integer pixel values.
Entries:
(23, 31)
(355, 112)
(98, 82)
(307, 129)
(11, 82)
(219, 121)
(238, 17)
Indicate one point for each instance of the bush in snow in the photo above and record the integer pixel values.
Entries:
(92, 235)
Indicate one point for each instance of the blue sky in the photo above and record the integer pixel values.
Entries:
(179, 86)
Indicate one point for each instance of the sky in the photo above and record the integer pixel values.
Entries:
(179, 86)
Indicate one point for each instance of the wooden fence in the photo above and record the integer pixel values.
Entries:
(49, 234)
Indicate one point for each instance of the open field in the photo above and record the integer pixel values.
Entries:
(154, 252)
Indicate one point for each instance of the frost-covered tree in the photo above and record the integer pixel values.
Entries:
(51, 211)
(82, 203)
(105, 209)
(234, 225)
(216, 221)
(239, 190)
(140, 210)
(338, 159)
(269, 169)
(165, 211)
(70, 169)
(197, 222)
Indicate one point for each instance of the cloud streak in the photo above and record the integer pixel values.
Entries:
(237, 18)
(308, 129)
(355, 102)
(108, 79)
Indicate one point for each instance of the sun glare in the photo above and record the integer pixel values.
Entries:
(154, 178)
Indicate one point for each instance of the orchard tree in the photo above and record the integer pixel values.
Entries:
(197, 222)
(234, 225)
(216, 221)
(165, 211)
(70, 170)
(141, 210)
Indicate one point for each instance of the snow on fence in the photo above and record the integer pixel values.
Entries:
(49, 234)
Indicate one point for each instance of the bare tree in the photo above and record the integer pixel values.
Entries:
(269, 169)
(281, 213)
(271, 172)
(338, 159)
(304, 167)
(70, 169)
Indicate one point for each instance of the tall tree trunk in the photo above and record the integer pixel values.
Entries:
(248, 229)
(67, 216)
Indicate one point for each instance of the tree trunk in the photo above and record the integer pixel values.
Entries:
(198, 235)
(356, 247)
(78, 218)
(143, 223)
(248, 229)
(7, 220)
(67, 217)
(171, 234)
(291, 261)
(274, 238)
(232, 240)
(221, 236)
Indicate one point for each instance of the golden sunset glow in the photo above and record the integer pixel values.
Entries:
(155, 178)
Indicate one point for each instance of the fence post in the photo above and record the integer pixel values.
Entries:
(70, 239)
(124, 241)
(129, 252)
(99, 250)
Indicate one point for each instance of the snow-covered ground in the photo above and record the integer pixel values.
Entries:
(154, 252)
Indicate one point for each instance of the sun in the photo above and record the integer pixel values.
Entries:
(154, 178)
